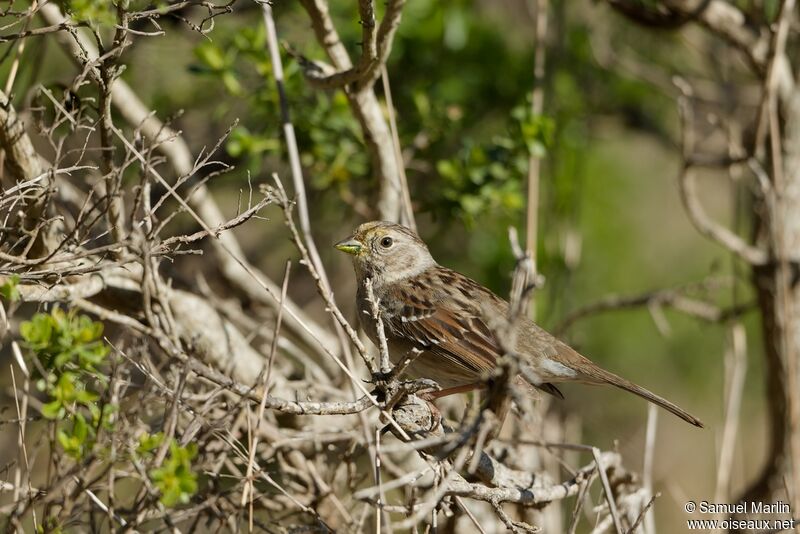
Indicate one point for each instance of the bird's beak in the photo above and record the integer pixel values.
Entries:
(350, 246)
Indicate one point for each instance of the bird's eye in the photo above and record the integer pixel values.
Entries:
(386, 242)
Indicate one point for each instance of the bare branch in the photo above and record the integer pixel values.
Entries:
(22, 159)
(366, 108)
(751, 254)
(281, 405)
(675, 298)
(376, 45)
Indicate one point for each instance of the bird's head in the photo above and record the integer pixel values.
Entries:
(386, 252)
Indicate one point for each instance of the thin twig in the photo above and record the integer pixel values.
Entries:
(649, 460)
(612, 506)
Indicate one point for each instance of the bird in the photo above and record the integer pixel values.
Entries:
(444, 318)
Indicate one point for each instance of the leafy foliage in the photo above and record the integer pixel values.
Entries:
(96, 12)
(68, 349)
(175, 479)
(49, 526)
(489, 178)
(65, 341)
(103, 12)
(331, 148)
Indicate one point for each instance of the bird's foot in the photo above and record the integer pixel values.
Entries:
(420, 387)
(452, 391)
(380, 378)
(395, 392)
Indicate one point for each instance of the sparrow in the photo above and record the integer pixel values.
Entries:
(443, 317)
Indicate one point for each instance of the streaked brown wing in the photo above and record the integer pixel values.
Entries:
(449, 324)
(444, 329)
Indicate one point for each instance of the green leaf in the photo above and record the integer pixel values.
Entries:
(65, 389)
(149, 442)
(175, 479)
(38, 332)
(92, 11)
(9, 289)
(80, 429)
(211, 56)
(447, 169)
(53, 410)
(79, 440)
(67, 442)
(87, 330)
(86, 397)
(231, 82)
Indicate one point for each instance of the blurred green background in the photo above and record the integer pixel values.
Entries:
(461, 74)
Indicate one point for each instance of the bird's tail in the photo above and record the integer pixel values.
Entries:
(598, 376)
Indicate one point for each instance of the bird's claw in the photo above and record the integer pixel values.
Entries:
(421, 386)
(380, 378)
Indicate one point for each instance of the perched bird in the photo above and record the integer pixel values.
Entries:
(445, 316)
